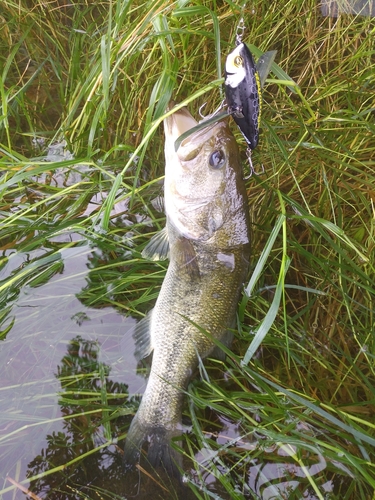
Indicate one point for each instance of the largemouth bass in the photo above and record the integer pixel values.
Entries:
(207, 240)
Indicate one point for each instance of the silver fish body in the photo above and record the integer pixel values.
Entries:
(207, 239)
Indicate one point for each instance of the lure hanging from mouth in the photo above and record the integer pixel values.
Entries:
(243, 91)
(243, 83)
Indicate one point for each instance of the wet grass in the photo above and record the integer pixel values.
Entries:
(291, 411)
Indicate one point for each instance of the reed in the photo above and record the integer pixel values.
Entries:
(295, 397)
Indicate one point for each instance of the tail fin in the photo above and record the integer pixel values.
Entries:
(160, 452)
(133, 444)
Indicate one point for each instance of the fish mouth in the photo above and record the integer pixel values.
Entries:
(180, 123)
(177, 124)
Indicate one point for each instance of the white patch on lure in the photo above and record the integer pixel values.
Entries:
(235, 74)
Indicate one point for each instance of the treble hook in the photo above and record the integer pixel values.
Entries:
(221, 106)
(200, 108)
(252, 169)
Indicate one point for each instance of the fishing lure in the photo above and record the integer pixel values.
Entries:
(243, 83)
(243, 93)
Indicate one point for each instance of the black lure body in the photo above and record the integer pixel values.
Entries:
(243, 93)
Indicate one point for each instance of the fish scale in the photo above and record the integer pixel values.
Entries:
(208, 244)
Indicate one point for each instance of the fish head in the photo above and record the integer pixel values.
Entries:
(204, 189)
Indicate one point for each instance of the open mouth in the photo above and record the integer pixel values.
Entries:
(180, 122)
(183, 129)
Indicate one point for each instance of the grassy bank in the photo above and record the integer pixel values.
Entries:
(94, 79)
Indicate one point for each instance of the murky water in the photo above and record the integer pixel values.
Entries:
(54, 346)
(69, 388)
(55, 362)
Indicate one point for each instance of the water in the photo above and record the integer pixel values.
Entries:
(353, 7)
(55, 346)
(70, 384)
(64, 368)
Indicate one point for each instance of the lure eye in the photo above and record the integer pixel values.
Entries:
(217, 159)
(238, 61)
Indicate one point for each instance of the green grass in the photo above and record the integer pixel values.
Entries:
(298, 390)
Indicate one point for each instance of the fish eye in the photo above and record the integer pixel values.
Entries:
(238, 61)
(217, 159)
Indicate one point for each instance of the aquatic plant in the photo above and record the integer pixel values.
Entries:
(83, 90)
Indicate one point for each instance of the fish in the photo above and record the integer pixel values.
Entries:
(242, 87)
(207, 241)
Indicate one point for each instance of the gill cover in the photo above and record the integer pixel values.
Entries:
(243, 93)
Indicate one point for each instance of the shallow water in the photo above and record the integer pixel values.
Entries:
(70, 384)
(54, 337)
(66, 366)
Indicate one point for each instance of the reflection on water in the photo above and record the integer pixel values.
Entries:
(334, 8)
(69, 389)
(56, 343)
(280, 480)
(87, 400)
(70, 386)
(270, 471)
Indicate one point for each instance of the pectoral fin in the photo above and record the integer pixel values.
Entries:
(186, 258)
(158, 246)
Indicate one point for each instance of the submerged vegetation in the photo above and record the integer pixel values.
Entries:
(83, 89)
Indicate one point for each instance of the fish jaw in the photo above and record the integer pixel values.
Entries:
(178, 123)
